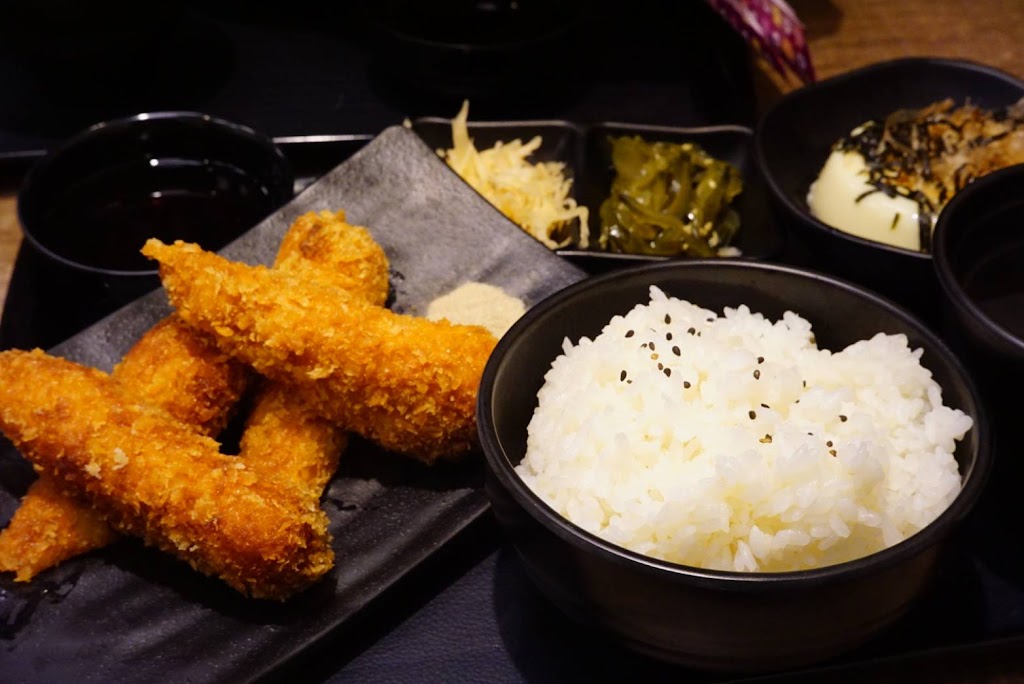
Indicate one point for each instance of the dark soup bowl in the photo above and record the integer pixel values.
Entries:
(89, 205)
(725, 619)
(979, 261)
(795, 137)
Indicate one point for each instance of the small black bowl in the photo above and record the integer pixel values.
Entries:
(704, 618)
(794, 137)
(89, 205)
(979, 261)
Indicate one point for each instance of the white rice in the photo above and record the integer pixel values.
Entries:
(777, 456)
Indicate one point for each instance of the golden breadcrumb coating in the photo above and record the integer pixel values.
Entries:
(159, 480)
(175, 368)
(285, 441)
(48, 528)
(407, 383)
(324, 248)
(170, 367)
(185, 374)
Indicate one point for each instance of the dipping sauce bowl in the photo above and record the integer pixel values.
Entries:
(89, 205)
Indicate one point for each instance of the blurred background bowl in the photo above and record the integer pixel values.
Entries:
(474, 47)
(91, 203)
(795, 136)
(704, 618)
(979, 261)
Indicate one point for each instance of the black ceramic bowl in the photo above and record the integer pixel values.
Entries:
(586, 153)
(90, 204)
(793, 139)
(979, 260)
(704, 618)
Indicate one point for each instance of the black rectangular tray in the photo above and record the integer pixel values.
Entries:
(470, 584)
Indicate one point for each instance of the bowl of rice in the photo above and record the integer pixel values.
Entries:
(729, 465)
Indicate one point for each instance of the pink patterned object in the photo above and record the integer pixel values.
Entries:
(774, 30)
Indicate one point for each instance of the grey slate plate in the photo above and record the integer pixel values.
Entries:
(132, 614)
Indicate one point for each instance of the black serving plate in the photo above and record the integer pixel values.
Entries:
(104, 616)
(585, 150)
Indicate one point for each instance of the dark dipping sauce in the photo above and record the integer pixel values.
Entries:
(103, 220)
(995, 283)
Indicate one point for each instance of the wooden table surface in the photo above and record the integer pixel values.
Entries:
(843, 35)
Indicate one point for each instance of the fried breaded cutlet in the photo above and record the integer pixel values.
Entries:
(170, 367)
(407, 383)
(48, 528)
(175, 368)
(286, 442)
(185, 374)
(323, 247)
(152, 477)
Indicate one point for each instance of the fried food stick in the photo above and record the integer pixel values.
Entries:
(155, 478)
(284, 438)
(170, 367)
(185, 374)
(324, 248)
(406, 383)
(173, 367)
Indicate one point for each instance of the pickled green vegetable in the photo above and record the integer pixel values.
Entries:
(668, 199)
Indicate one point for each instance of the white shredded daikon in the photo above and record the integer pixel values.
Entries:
(533, 195)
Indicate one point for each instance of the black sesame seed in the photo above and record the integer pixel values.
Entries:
(828, 443)
(643, 346)
(805, 383)
(652, 346)
(668, 372)
(686, 384)
(832, 451)
(760, 359)
(676, 351)
(630, 333)
(668, 336)
(752, 414)
(765, 406)
(757, 374)
(661, 366)
(691, 330)
(842, 418)
(622, 376)
(668, 319)
(711, 320)
(629, 382)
